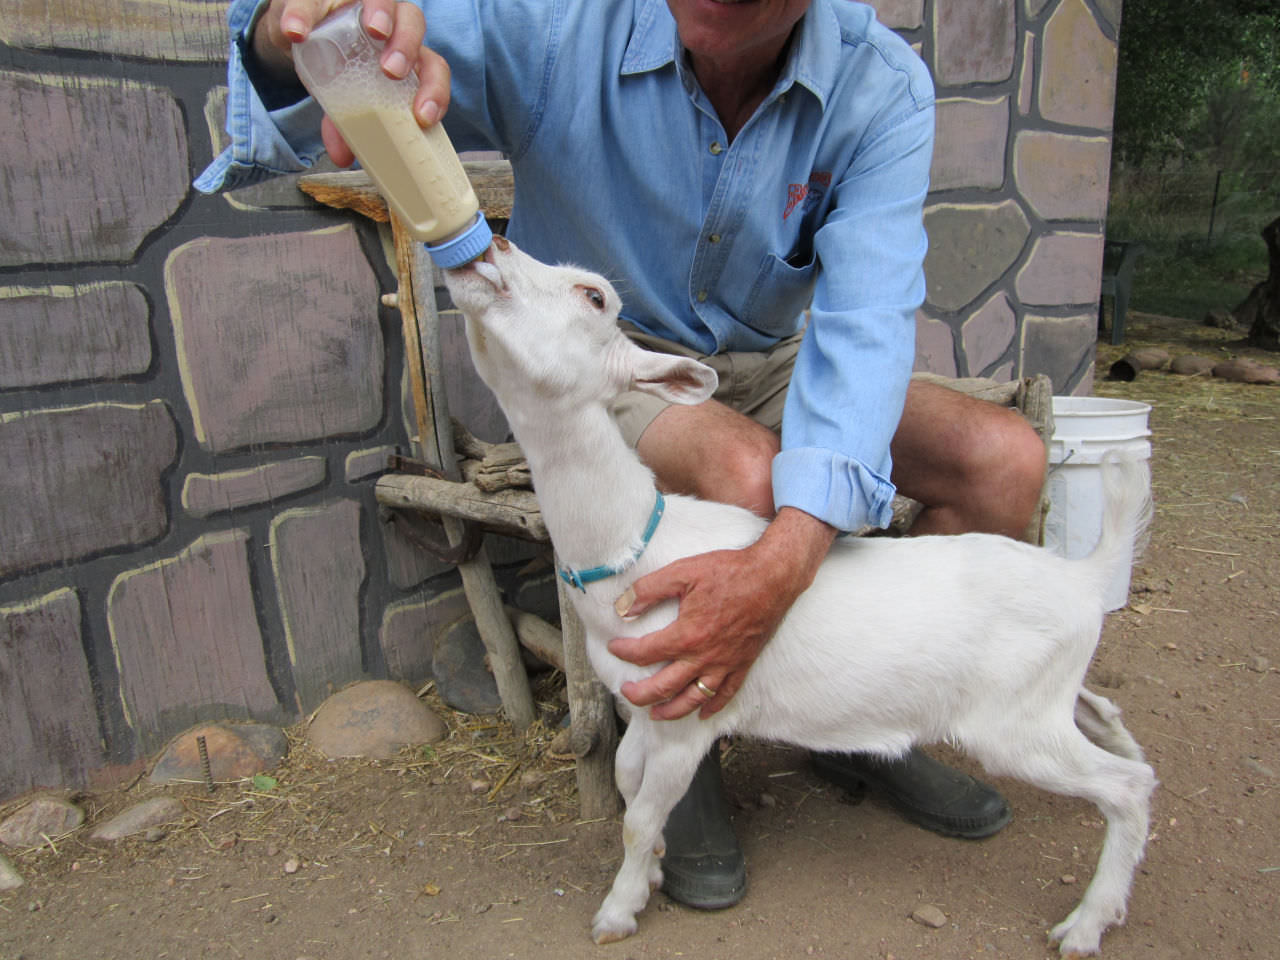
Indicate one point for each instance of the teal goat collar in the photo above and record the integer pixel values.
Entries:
(580, 578)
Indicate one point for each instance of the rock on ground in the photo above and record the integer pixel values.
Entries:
(42, 817)
(374, 719)
(1190, 365)
(235, 750)
(139, 818)
(9, 875)
(929, 915)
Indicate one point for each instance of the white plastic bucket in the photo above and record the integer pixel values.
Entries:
(1085, 429)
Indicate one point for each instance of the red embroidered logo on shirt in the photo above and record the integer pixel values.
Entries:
(807, 194)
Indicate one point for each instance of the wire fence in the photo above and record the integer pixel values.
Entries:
(1193, 205)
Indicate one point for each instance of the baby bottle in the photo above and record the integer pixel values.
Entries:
(417, 170)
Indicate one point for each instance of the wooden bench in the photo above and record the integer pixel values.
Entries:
(1118, 260)
(474, 487)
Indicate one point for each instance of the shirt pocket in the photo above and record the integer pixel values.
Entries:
(780, 294)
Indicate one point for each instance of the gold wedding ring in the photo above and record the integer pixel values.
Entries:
(706, 691)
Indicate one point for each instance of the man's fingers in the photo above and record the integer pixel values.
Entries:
(679, 706)
(671, 680)
(665, 583)
(400, 55)
(379, 18)
(643, 651)
(299, 17)
(431, 102)
(725, 692)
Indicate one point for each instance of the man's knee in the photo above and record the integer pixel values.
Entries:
(1005, 475)
(744, 476)
(714, 453)
(976, 466)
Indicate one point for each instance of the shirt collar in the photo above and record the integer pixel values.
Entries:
(812, 62)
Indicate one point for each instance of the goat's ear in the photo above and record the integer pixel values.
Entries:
(674, 379)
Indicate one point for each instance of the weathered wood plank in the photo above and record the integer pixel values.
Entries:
(353, 190)
(514, 512)
(538, 637)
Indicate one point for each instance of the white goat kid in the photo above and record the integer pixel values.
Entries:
(976, 640)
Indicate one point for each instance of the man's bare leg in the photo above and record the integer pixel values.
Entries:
(975, 466)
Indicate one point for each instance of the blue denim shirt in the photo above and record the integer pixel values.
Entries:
(622, 165)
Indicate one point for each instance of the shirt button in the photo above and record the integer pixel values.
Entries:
(715, 148)
(702, 296)
(714, 238)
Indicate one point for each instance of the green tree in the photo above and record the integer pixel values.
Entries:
(1177, 54)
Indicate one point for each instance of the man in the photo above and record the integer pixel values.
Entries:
(729, 163)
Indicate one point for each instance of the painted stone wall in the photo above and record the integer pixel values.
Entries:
(197, 393)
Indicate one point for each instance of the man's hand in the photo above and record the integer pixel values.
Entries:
(401, 25)
(731, 601)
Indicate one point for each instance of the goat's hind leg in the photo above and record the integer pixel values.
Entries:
(1066, 762)
(667, 772)
(1099, 719)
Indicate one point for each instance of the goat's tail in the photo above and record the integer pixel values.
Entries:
(1126, 512)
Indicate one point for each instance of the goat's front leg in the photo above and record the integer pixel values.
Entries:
(668, 768)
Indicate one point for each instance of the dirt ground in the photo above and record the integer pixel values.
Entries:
(473, 849)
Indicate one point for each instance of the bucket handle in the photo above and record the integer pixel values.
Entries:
(1071, 452)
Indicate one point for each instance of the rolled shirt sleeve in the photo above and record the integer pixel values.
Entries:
(264, 142)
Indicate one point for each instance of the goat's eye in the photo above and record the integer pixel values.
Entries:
(594, 296)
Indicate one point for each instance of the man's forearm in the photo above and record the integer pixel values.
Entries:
(796, 542)
(270, 64)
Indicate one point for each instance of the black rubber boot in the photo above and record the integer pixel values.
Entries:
(924, 791)
(703, 866)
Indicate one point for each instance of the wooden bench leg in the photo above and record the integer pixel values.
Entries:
(593, 724)
(496, 632)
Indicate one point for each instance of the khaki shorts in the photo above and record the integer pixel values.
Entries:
(754, 384)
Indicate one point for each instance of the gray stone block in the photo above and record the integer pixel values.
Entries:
(971, 137)
(60, 334)
(1058, 347)
(363, 464)
(410, 630)
(899, 14)
(1062, 268)
(278, 337)
(935, 347)
(1077, 69)
(48, 718)
(61, 212)
(973, 42)
(988, 334)
(970, 248)
(319, 568)
(1061, 176)
(187, 640)
(79, 480)
(204, 494)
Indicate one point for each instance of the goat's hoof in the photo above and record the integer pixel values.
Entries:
(1074, 939)
(603, 931)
